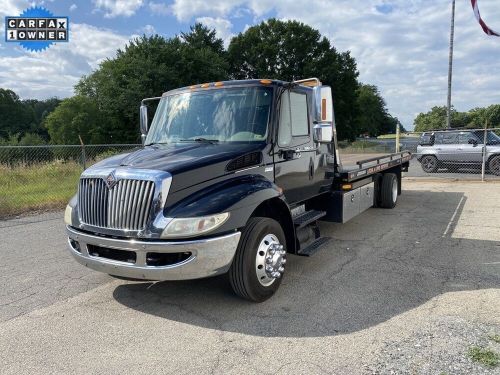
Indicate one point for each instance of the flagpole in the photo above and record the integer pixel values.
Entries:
(450, 65)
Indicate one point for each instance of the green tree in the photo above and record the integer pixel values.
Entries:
(290, 50)
(436, 119)
(371, 111)
(40, 109)
(478, 117)
(147, 67)
(74, 117)
(32, 139)
(200, 36)
(15, 118)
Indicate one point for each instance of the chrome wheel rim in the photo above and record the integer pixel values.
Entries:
(270, 260)
(394, 190)
(429, 163)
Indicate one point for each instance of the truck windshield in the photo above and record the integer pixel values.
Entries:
(215, 115)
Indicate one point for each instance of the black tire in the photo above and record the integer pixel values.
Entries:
(494, 165)
(429, 163)
(389, 191)
(243, 274)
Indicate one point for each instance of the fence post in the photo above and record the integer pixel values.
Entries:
(485, 138)
(84, 158)
(397, 138)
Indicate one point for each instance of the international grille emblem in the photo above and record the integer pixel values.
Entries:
(110, 180)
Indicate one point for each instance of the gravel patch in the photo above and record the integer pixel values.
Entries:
(441, 349)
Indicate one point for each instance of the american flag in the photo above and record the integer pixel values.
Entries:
(485, 27)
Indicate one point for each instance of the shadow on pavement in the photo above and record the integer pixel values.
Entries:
(381, 264)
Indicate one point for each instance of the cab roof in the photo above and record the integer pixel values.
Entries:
(309, 82)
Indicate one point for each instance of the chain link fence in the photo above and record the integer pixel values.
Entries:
(462, 154)
(37, 178)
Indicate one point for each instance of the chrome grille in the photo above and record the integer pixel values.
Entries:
(125, 206)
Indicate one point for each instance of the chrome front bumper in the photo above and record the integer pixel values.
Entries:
(209, 257)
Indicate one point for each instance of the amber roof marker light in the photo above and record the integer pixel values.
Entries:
(218, 84)
(266, 81)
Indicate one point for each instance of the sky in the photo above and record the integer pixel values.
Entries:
(401, 46)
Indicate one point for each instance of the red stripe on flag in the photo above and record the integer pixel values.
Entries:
(483, 25)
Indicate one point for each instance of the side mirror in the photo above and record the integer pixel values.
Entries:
(323, 132)
(323, 103)
(472, 141)
(143, 117)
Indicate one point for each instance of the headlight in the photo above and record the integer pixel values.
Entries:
(67, 214)
(193, 226)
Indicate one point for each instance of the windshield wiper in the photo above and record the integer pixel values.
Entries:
(156, 143)
(201, 140)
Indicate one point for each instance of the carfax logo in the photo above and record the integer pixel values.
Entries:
(36, 29)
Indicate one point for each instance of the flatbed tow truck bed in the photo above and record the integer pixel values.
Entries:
(353, 167)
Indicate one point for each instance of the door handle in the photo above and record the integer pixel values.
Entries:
(287, 154)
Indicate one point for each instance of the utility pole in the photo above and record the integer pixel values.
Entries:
(450, 65)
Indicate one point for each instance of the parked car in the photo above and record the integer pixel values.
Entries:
(458, 148)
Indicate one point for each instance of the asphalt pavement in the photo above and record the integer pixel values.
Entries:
(403, 291)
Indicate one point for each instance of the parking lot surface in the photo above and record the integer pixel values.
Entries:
(407, 291)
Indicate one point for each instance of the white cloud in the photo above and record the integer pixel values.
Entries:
(222, 27)
(159, 8)
(400, 45)
(56, 70)
(11, 7)
(148, 30)
(115, 8)
(73, 7)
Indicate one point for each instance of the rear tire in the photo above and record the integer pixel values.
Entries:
(247, 275)
(429, 164)
(389, 191)
(494, 165)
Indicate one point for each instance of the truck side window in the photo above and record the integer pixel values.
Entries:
(298, 106)
(293, 118)
(284, 131)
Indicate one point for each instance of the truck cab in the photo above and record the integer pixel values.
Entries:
(232, 177)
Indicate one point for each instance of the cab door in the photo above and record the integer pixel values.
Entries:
(295, 153)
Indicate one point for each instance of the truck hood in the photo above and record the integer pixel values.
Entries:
(189, 164)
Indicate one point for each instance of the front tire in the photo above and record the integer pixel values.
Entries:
(259, 263)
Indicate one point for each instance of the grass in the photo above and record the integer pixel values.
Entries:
(484, 356)
(402, 135)
(29, 188)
